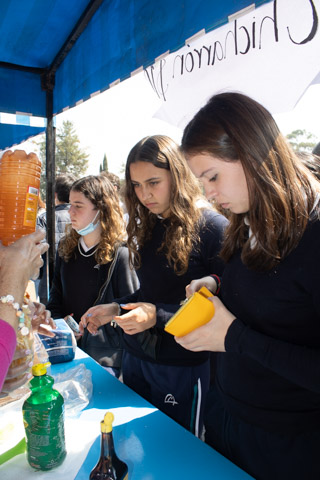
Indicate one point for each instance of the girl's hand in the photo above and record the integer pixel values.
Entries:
(195, 285)
(209, 337)
(97, 316)
(141, 316)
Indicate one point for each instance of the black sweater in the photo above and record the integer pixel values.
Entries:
(270, 373)
(161, 286)
(77, 283)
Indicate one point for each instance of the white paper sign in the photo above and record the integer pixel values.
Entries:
(271, 54)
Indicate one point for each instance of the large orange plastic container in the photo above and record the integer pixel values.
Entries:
(19, 193)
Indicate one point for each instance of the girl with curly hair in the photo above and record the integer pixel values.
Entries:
(92, 264)
(171, 237)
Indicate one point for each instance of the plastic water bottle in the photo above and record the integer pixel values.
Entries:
(19, 194)
(43, 418)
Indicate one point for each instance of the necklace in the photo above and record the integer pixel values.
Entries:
(83, 254)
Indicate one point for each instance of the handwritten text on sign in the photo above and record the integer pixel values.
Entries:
(273, 46)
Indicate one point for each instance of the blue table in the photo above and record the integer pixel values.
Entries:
(153, 446)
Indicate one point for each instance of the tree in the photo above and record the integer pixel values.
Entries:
(302, 141)
(104, 165)
(69, 157)
(122, 168)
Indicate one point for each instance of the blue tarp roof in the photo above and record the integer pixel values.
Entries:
(83, 46)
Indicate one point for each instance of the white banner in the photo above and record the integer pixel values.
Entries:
(271, 53)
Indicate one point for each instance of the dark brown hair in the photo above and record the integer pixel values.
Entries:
(282, 193)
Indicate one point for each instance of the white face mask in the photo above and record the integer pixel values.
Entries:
(90, 227)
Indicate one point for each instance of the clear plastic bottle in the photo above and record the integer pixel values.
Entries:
(19, 193)
(43, 418)
(109, 466)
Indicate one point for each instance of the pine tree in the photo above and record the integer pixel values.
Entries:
(69, 157)
(104, 165)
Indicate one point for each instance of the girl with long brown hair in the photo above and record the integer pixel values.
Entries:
(92, 264)
(263, 412)
(170, 237)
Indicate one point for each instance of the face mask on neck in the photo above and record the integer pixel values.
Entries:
(90, 227)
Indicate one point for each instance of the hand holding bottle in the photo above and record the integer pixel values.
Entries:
(22, 260)
(18, 262)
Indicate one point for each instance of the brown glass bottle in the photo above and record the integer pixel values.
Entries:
(109, 466)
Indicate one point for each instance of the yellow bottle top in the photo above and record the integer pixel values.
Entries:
(106, 424)
(40, 369)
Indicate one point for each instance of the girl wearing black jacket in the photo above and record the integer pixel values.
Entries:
(92, 265)
(264, 410)
(172, 238)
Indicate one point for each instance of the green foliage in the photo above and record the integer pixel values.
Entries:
(122, 168)
(302, 141)
(69, 157)
(104, 165)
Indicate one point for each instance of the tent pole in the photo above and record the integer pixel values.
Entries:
(50, 174)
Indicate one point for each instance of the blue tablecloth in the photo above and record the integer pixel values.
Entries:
(153, 445)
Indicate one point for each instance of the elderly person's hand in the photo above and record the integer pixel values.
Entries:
(22, 259)
(19, 262)
(40, 318)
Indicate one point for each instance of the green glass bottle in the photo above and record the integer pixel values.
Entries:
(109, 467)
(43, 418)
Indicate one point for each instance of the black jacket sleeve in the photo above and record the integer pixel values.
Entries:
(296, 363)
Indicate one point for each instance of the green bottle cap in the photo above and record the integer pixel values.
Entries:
(40, 369)
(106, 424)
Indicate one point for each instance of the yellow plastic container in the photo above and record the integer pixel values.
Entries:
(19, 193)
(195, 312)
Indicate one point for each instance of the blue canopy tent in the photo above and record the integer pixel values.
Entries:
(54, 54)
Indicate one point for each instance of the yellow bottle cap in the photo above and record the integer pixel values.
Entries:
(106, 424)
(40, 369)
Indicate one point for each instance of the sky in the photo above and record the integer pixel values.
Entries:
(114, 121)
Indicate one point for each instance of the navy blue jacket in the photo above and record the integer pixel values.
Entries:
(270, 373)
(161, 286)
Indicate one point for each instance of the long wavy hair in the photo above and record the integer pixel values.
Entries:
(101, 193)
(182, 232)
(283, 195)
